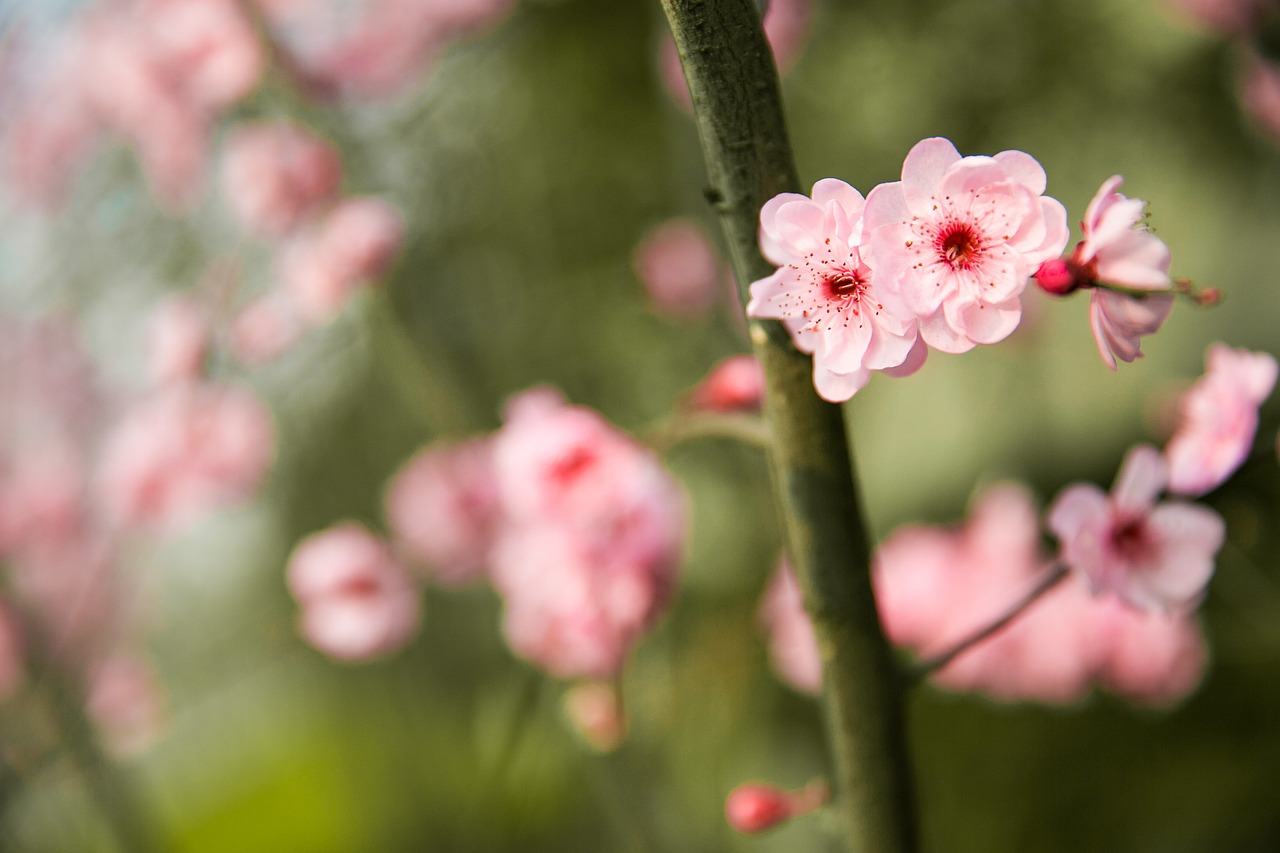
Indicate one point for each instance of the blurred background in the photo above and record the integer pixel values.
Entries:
(523, 151)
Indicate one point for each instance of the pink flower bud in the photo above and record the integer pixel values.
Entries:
(1057, 277)
(756, 807)
(179, 341)
(734, 385)
(678, 267)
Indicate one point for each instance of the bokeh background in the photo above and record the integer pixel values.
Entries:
(528, 162)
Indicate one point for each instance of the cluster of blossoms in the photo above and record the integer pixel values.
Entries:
(68, 503)
(940, 260)
(161, 73)
(576, 526)
(1124, 620)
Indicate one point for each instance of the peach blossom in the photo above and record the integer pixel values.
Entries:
(793, 648)
(735, 384)
(679, 268)
(275, 175)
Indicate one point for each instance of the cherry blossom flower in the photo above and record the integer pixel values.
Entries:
(1119, 321)
(793, 648)
(184, 451)
(276, 174)
(1150, 658)
(1219, 419)
(265, 329)
(736, 384)
(1151, 555)
(357, 601)
(959, 237)
(679, 268)
(356, 242)
(756, 807)
(125, 703)
(826, 295)
(444, 509)
(594, 528)
(178, 341)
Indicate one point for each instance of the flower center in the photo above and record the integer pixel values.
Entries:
(843, 285)
(1130, 540)
(957, 244)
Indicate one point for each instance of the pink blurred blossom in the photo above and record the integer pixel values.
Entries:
(323, 268)
(679, 268)
(755, 807)
(373, 48)
(1149, 658)
(1232, 17)
(1259, 86)
(793, 648)
(827, 296)
(1219, 419)
(735, 384)
(1154, 556)
(265, 329)
(444, 509)
(357, 601)
(594, 532)
(178, 339)
(276, 174)
(787, 24)
(185, 451)
(958, 238)
(125, 703)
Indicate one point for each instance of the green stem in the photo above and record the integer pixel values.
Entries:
(734, 87)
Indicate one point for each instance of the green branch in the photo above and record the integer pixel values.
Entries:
(734, 87)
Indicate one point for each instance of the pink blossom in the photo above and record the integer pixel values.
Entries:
(207, 48)
(443, 508)
(679, 268)
(357, 601)
(265, 329)
(184, 451)
(594, 529)
(756, 807)
(1151, 555)
(958, 238)
(1259, 85)
(826, 295)
(1226, 16)
(356, 242)
(793, 648)
(275, 175)
(178, 341)
(1119, 321)
(735, 384)
(1219, 419)
(124, 702)
(1150, 658)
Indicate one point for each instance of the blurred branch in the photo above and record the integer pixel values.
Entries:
(1048, 582)
(682, 427)
(734, 88)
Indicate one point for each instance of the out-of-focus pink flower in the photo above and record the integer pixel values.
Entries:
(276, 174)
(787, 24)
(959, 237)
(357, 601)
(1151, 555)
(444, 510)
(178, 341)
(593, 708)
(1149, 658)
(184, 451)
(207, 48)
(1219, 419)
(592, 540)
(793, 648)
(736, 384)
(375, 48)
(356, 242)
(41, 494)
(825, 294)
(1260, 94)
(265, 329)
(125, 703)
(679, 268)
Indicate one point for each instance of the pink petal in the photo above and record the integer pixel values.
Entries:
(1024, 169)
(832, 189)
(838, 387)
(1101, 200)
(913, 362)
(938, 334)
(1076, 508)
(989, 324)
(923, 169)
(1142, 476)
